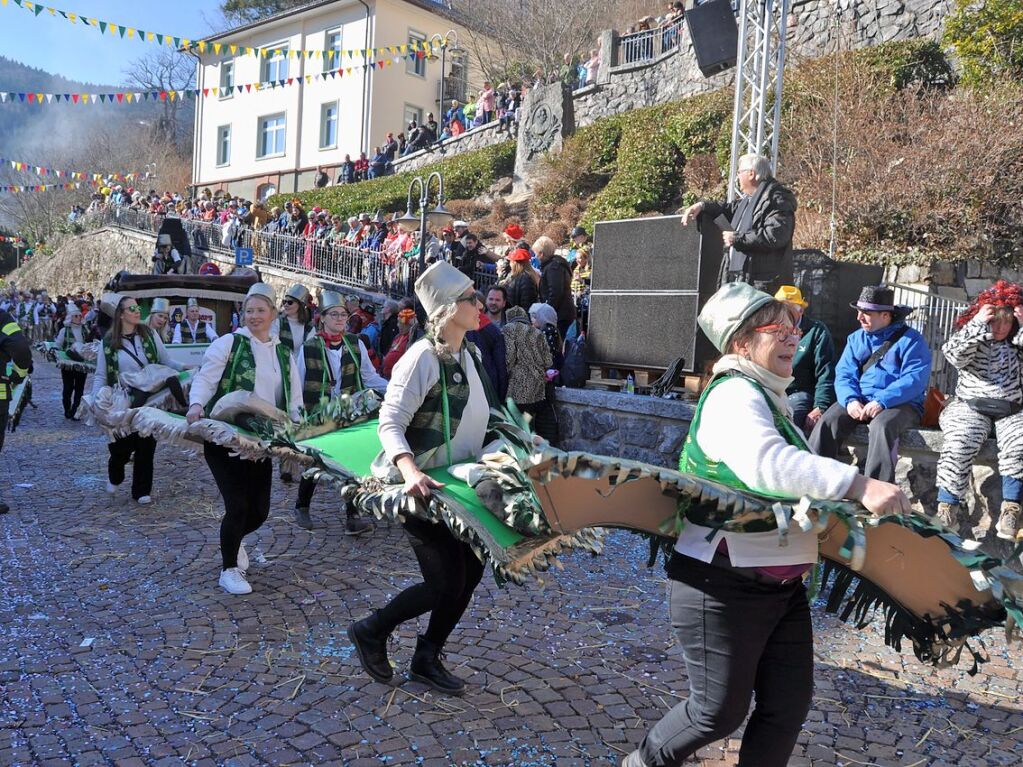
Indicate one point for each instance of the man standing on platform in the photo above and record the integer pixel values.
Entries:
(758, 227)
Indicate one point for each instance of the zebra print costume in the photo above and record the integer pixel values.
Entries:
(987, 368)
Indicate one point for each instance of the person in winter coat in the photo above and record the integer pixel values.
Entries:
(528, 357)
(555, 283)
(490, 342)
(812, 390)
(881, 380)
(523, 284)
(762, 219)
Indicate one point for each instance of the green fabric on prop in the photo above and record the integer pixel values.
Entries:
(466, 496)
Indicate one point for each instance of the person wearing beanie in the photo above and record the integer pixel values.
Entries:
(737, 600)
(425, 425)
(73, 380)
(332, 363)
(251, 359)
(987, 353)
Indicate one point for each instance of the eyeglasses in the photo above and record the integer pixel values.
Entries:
(781, 332)
(132, 308)
(466, 299)
(337, 315)
(289, 301)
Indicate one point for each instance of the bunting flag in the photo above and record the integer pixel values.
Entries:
(13, 240)
(134, 97)
(75, 175)
(416, 48)
(19, 189)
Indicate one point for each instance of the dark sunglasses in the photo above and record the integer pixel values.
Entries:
(289, 301)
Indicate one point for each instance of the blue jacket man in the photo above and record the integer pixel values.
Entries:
(880, 380)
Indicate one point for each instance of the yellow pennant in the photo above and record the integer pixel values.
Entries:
(234, 49)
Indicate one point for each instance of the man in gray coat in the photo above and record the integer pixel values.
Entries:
(762, 221)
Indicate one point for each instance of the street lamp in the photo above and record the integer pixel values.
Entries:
(438, 217)
(448, 38)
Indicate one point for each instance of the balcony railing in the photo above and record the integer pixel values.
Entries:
(649, 44)
(339, 264)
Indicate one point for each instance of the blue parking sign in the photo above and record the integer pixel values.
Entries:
(243, 256)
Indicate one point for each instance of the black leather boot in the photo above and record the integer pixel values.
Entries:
(355, 525)
(370, 643)
(302, 518)
(427, 668)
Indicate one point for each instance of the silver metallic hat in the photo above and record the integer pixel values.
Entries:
(329, 299)
(441, 285)
(159, 305)
(108, 303)
(299, 292)
(264, 290)
(726, 310)
(191, 302)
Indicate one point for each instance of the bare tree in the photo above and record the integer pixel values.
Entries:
(165, 70)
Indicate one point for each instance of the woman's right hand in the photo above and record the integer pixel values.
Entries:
(195, 413)
(879, 498)
(419, 485)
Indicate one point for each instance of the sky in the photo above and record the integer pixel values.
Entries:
(80, 52)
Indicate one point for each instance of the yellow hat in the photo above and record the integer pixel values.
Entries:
(791, 294)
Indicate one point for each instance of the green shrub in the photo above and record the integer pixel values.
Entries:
(465, 175)
(987, 39)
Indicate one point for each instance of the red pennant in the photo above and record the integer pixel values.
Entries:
(120, 98)
(74, 97)
(248, 87)
(163, 95)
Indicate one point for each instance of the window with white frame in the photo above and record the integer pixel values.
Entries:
(275, 65)
(416, 64)
(413, 113)
(224, 145)
(328, 125)
(227, 79)
(332, 59)
(270, 141)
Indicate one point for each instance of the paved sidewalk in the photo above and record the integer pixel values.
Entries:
(117, 647)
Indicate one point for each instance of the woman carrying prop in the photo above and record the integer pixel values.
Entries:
(72, 333)
(252, 359)
(332, 363)
(435, 413)
(987, 352)
(129, 347)
(159, 318)
(737, 600)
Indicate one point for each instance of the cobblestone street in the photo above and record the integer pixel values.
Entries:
(117, 646)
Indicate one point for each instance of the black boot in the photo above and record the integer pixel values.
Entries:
(371, 646)
(355, 525)
(302, 518)
(427, 668)
(4, 508)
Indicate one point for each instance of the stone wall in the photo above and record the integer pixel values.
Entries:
(652, 430)
(479, 138)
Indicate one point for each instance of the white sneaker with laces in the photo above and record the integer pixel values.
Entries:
(233, 581)
(111, 487)
(145, 500)
(243, 558)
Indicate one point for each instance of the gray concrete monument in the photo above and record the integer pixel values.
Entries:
(545, 119)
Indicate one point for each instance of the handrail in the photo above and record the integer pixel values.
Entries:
(649, 44)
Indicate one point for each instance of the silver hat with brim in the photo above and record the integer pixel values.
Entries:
(299, 292)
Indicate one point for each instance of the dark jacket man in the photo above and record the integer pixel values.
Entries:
(556, 290)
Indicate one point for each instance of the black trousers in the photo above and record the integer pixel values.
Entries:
(451, 573)
(74, 387)
(741, 640)
(245, 488)
(121, 452)
(836, 425)
(4, 410)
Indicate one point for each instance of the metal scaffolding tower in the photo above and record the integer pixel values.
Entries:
(760, 65)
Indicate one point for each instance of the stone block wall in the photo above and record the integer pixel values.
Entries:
(479, 138)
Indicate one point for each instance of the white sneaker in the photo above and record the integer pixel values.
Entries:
(145, 500)
(233, 582)
(111, 487)
(243, 558)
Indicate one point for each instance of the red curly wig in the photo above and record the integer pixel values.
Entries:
(1002, 294)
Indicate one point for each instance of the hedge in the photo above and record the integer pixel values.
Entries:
(465, 175)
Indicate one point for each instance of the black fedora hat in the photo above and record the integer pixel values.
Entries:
(881, 298)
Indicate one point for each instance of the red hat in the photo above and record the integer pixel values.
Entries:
(519, 254)
(447, 230)
(514, 231)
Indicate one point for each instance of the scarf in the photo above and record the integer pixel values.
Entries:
(774, 385)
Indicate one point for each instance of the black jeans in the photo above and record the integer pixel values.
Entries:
(74, 386)
(451, 573)
(121, 451)
(245, 488)
(836, 425)
(741, 639)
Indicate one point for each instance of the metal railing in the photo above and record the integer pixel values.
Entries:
(337, 263)
(649, 44)
(934, 316)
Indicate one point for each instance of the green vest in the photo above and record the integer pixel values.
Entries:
(319, 379)
(694, 461)
(438, 417)
(240, 371)
(69, 337)
(284, 332)
(113, 366)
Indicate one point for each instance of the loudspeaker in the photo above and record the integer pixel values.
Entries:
(715, 36)
(651, 277)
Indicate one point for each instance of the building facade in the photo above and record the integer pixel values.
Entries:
(271, 138)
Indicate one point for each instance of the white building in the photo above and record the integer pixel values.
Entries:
(269, 140)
